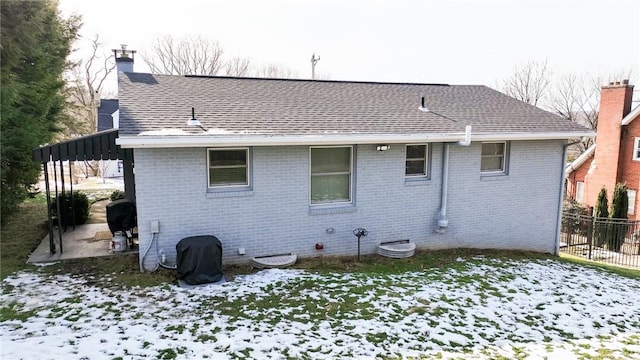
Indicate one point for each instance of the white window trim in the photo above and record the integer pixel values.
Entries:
(351, 170)
(505, 155)
(426, 162)
(636, 148)
(580, 191)
(230, 186)
(631, 209)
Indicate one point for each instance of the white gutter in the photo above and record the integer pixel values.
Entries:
(579, 160)
(169, 141)
(631, 116)
(532, 136)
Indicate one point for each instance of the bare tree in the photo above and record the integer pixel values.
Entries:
(276, 71)
(84, 90)
(237, 67)
(198, 55)
(577, 99)
(189, 56)
(529, 83)
(86, 85)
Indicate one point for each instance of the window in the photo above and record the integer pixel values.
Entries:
(494, 157)
(631, 196)
(416, 161)
(228, 167)
(579, 191)
(636, 148)
(331, 174)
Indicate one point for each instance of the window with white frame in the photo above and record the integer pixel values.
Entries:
(331, 174)
(636, 148)
(228, 167)
(494, 157)
(417, 161)
(579, 191)
(631, 196)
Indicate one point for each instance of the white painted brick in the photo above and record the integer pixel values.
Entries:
(517, 211)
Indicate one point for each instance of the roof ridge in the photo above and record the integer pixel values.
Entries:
(309, 80)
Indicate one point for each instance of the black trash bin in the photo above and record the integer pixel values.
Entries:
(199, 259)
(121, 216)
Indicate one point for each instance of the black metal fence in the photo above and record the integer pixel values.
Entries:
(613, 241)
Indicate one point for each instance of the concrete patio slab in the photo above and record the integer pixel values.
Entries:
(84, 241)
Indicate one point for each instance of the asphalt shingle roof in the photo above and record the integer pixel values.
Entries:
(106, 109)
(303, 107)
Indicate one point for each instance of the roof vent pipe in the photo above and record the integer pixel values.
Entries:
(422, 107)
(193, 121)
(467, 137)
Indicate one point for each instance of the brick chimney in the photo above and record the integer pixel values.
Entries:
(615, 104)
(124, 59)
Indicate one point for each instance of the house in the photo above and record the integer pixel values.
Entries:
(272, 166)
(615, 156)
(108, 119)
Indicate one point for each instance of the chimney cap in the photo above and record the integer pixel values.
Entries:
(123, 55)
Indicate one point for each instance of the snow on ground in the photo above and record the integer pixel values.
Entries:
(487, 309)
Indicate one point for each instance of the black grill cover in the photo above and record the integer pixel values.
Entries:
(199, 259)
(121, 215)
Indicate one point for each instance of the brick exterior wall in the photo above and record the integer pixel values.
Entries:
(578, 175)
(629, 168)
(615, 103)
(516, 211)
(613, 159)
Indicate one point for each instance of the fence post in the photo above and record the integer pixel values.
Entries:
(592, 220)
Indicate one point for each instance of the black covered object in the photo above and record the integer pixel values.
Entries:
(199, 259)
(121, 215)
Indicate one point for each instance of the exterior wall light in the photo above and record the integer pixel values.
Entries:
(383, 147)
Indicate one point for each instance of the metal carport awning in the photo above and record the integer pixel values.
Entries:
(98, 146)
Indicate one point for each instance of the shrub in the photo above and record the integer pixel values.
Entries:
(619, 227)
(572, 210)
(601, 210)
(74, 208)
(117, 195)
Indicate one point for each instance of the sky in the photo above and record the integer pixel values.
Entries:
(454, 42)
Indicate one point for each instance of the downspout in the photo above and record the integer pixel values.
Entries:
(443, 221)
(561, 196)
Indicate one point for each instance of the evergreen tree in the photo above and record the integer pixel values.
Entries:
(620, 202)
(619, 207)
(35, 45)
(601, 211)
(602, 205)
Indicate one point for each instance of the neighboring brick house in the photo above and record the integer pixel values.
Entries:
(615, 156)
(278, 166)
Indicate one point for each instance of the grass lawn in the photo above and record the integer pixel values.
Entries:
(446, 304)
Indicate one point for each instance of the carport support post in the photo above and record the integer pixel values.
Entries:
(73, 208)
(52, 245)
(58, 198)
(129, 181)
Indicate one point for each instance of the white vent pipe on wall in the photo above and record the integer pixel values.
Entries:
(467, 137)
(443, 221)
